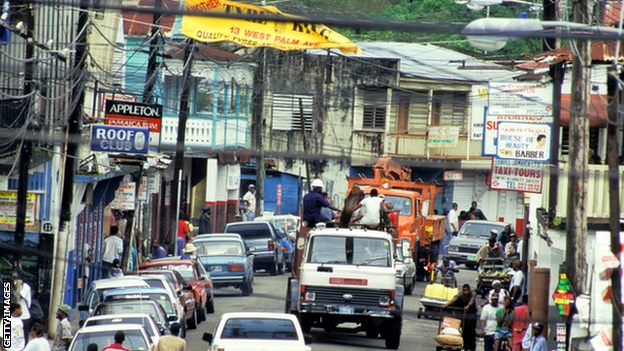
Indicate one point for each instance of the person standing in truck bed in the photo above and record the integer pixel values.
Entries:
(313, 202)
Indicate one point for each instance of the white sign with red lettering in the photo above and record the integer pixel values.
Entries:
(520, 99)
(490, 129)
(524, 141)
(516, 175)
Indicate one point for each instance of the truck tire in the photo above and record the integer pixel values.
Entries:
(393, 333)
(305, 322)
(273, 269)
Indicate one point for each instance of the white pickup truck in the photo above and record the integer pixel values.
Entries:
(348, 276)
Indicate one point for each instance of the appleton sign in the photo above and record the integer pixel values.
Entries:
(134, 114)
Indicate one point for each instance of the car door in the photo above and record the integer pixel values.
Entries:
(187, 298)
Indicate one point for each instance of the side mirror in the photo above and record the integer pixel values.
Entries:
(201, 277)
(172, 318)
(207, 337)
(307, 338)
(83, 307)
(425, 208)
(406, 248)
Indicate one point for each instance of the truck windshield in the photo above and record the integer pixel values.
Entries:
(479, 229)
(400, 203)
(349, 250)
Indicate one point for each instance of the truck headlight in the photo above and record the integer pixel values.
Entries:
(310, 296)
(384, 301)
(453, 248)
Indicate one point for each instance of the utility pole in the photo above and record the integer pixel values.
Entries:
(557, 72)
(152, 71)
(576, 230)
(305, 144)
(257, 129)
(614, 203)
(25, 149)
(189, 52)
(72, 133)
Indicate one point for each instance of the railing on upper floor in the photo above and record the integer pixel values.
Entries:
(414, 143)
(204, 133)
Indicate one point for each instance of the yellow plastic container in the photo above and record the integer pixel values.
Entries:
(435, 291)
(450, 293)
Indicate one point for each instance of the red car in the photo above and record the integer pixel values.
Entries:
(182, 290)
(193, 274)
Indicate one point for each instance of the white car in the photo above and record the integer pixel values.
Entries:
(136, 337)
(249, 331)
(405, 267)
(143, 319)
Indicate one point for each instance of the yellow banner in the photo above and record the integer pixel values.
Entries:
(258, 33)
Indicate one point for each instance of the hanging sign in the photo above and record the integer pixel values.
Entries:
(515, 175)
(563, 296)
(442, 137)
(523, 141)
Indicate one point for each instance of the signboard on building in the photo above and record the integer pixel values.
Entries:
(124, 197)
(137, 115)
(442, 137)
(233, 177)
(153, 183)
(490, 129)
(524, 141)
(563, 296)
(143, 184)
(8, 210)
(520, 99)
(452, 175)
(514, 175)
(479, 110)
(119, 139)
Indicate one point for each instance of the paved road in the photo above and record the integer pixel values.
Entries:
(269, 292)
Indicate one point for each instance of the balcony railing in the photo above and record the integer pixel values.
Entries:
(204, 133)
(414, 144)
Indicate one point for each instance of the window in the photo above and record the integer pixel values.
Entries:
(449, 108)
(370, 109)
(287, 112)
(173, 88)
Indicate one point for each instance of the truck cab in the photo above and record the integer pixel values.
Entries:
(348, 276)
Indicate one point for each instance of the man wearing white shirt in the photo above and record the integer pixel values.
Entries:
(37, 341)
(517, 282)
(25, 302)
(489, 323)
(113, 248)
(18, 341)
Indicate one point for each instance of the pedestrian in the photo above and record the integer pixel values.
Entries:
(466, 299)
(326, 211)
(205, 226)
(477, 212)
(517, 282)
(538, 342)
(505, 236)
(448, 270)
(313, 202)
(489, 250)
(183, 233)
(18, 339)
(489, 323)
(120, 336)
(64, 336)
(250, 202)
(116, 272)
(171, 342)
(497, 289)
(520, 322)
(113, 248)
(511, 249)
(504, 318)
(37, 341)
(188, 250)
(157, 250)
(25, 301)
(452, 227)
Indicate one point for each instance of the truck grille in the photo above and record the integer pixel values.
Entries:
(468, 250)
(332, 295)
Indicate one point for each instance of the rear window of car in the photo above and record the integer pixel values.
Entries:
(479, 229)
(119, 307)
(259, 328)
(250, 231)
(133, 341)
(186, 270)
(219, 248)
(124, 320)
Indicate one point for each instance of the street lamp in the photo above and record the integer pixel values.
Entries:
(478, 5)
(492, 34)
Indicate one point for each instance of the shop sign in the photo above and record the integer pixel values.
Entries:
(442, 137)
(135, 115)
(520, 99)
(119, 139)
(8, 210)
(516, 175)
(523, 141)
(124, 197)
(563, 296)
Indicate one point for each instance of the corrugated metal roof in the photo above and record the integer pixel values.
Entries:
(433, 62)
(140, 24)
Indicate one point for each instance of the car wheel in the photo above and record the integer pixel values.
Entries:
(183, 329)
(273, 270)
(393, 334)
(246, 288)
(192, 323)
(201, 315)
(252, 283)
(282, 266)
(409, 288)
(209, 307)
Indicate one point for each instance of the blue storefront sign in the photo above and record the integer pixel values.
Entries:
(119, 139)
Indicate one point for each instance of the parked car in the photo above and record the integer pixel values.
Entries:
(405, 267)
(125, 307)
(227, 259)
(264, 242)
(143, 319)
(184, 291)
(161, 296)
(289, 249)
(193, 274)
(288, 223)
(136, 337)
(258, 331)
(471, 237)
(94, 293)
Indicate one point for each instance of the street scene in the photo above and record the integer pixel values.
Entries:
(311, 175)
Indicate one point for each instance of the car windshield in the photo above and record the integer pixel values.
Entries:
(479, 229)
(186, 270)
(125, 307)
(259, 328)
(350, 250)
(134, 340)
(400, 203)
(124, 320)
(219, 248)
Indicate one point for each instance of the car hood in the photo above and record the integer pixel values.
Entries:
(261, 345)
(468, 241)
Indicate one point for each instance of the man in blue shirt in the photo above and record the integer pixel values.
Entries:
(157, 250)
(313, 202)
(538, 342)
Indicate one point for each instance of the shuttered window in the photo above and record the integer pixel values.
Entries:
(287, 113)
(371, 108)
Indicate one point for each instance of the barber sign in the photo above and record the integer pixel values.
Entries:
(524, 141)
(119, 139)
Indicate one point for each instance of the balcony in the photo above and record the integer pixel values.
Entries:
(414, 144)
(206, 133)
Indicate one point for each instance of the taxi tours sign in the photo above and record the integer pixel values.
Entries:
(292, 35)
(563, 296)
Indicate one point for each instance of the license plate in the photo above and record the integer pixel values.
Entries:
(472, 258)
(345, 309)
(217, 269)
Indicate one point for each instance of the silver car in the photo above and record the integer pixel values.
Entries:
(471, 237)
(405, 267)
